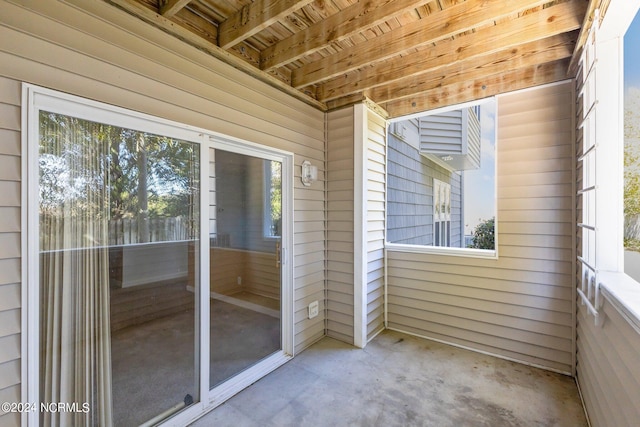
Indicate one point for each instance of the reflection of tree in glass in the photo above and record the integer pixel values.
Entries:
(66, 144)
(632, 169)
(276, 197)
(147, 176)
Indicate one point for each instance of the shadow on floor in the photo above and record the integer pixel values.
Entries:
(401, 380)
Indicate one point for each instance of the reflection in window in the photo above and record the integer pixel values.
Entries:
(441, 178)
(442, 213)
(118, 235)
(273, 198)
(632, 149)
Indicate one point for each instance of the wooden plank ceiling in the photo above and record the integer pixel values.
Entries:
(407, 56)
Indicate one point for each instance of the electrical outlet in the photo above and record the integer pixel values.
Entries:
(313, 309)
(239, 280)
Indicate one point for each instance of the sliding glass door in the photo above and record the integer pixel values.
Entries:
(245, 257)
(131, 320)
(119, 226)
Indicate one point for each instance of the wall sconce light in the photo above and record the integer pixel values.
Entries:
(309, 173)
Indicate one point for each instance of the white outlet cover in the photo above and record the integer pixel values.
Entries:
(313, 309)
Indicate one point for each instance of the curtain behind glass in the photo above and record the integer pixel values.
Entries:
(74, 270)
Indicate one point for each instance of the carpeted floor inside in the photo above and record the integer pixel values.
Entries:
(153, 364)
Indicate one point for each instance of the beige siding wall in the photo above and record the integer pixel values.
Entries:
(521, 305)
(340, 216)
(375, 220)
(10, 290)
(608, 368)
(77, 53)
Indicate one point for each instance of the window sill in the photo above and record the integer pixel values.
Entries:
(436, 250)
(623, 293)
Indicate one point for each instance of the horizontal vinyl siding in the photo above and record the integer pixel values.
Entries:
(376, 177)
(60, 47)
(518, 306)
(340, 215)
(608, 368)
(10, 291)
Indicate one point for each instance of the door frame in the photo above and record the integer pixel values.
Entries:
(235, 384)
(35, 98)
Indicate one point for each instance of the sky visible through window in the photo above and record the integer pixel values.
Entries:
(632, 147)
(480, 184)
(632, 55)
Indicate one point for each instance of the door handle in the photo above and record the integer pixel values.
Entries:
(278, 254)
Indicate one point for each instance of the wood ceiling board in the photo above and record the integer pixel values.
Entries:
(480, 88)
(526, 55)
(168, 8)
(551, 21)
(336, 27)
(389, 51)
(255, 17)
(437, 26)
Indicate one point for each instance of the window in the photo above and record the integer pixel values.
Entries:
(114, 231)
(441, 213)
(441, 189)
(632, 150)
(272, 198)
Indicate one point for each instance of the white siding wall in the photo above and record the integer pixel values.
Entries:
(608, 357)
(10, 291)
(75, 52)
(376, 179)
(521, 305)
(340, 215)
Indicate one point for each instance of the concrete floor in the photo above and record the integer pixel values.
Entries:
(401, 380)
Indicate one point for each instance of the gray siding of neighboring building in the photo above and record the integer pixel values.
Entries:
(442, 133)
(61, 47)
(410, 194)
(520, 305)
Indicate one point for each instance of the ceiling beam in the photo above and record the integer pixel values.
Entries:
(603, 5)
(526, 55)
(480, 88)
(437, 26)
(168, 8)
(150, 16)
(197, 25)
(339, 26)
(509, 34)
(255, 17)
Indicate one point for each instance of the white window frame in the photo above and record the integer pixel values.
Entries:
(441, 220)
(440, 250)
(34, 99)
(607, 278)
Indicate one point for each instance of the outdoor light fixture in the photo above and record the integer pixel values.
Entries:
(309, 173)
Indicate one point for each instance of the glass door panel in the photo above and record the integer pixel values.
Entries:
(119, 238)
(245, 268)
